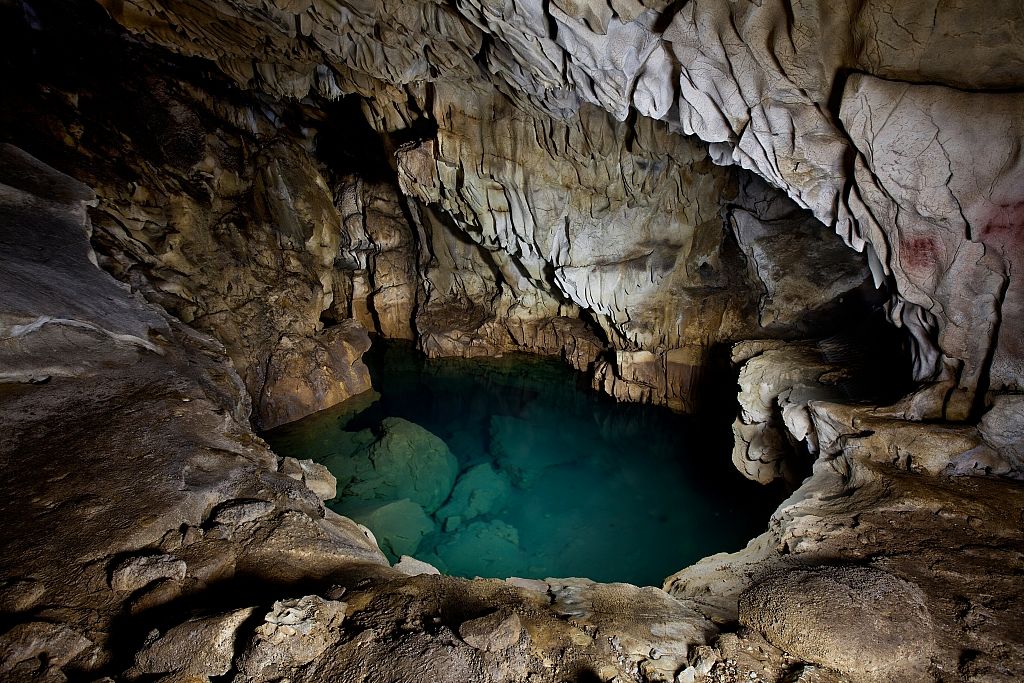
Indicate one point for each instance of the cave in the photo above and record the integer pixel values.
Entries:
(754, 266)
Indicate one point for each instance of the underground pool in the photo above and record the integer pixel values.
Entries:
(514, 467)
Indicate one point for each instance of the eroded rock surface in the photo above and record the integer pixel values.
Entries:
(558, 177)
(187, 527)
(764, 83)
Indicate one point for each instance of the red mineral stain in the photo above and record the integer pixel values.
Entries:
(918, 254)
(1005, 230)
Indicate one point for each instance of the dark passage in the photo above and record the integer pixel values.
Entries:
(512, 467)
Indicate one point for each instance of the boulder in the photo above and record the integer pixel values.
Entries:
(204, 646)
(480, 490)
(397, 526)
(492, 633)
(406, 461)
(862, 621)
(293, 633)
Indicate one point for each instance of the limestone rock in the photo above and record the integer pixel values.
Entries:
(462, 549)
(235, 513)
(294, 633)
(410, 566)
(309, 374)
(479, 490)
(38, 649)
(819, 615)
(314, 475)
(492, 633)
(703, 660)
(397, 526)
(1003, 427)
(203, 647)
(777, 381)
(136, 572)
(405, 461)
(803, 266)
(20, 595)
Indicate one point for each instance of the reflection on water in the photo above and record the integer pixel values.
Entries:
(509, 467)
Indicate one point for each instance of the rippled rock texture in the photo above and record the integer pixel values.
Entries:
(635, 186)
(548, 217)
(824, 101)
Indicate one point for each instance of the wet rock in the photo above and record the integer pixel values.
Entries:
(137, 572)
(819, 616)
(478, 491)
(294, 633)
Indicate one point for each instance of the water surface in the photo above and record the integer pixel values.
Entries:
(514, 467)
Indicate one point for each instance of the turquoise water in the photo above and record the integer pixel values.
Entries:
(512, 467)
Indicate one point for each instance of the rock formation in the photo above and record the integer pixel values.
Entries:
(208, 206)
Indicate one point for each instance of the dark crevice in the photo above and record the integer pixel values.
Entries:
(664, 19)
(348, 145)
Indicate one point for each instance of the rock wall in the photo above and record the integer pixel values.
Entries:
(544, 223)
(818, 99)
(180, 548)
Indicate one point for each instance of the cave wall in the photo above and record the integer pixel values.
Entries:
(618, 245)
(795, 93)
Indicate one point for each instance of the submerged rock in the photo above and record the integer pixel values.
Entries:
(486, 547)
(397, 526)
(405, 461)
(525, 447)
(479, 491)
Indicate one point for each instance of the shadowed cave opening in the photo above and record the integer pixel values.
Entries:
(514, 466)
